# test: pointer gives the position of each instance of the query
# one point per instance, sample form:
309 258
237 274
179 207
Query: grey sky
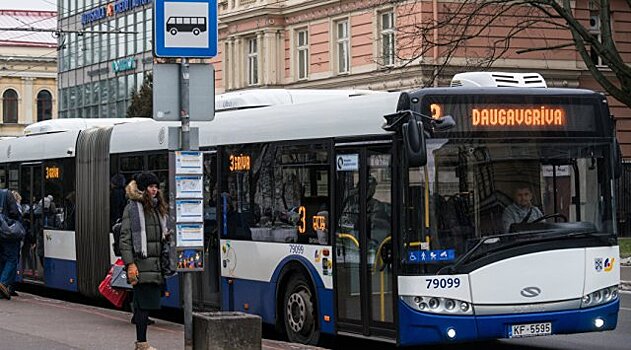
48 5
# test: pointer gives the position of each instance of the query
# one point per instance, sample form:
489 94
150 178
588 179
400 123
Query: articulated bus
389 216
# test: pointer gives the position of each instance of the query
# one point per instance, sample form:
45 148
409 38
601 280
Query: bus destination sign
485 115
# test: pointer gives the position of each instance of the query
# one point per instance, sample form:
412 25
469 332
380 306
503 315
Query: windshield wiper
607 238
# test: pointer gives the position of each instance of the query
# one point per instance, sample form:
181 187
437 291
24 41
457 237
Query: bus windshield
489 195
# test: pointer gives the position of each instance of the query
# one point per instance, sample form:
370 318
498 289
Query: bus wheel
299 312
173 31
195 31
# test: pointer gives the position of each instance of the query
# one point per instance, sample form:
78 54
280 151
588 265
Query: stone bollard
226 331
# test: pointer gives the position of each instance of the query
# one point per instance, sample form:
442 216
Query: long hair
147 203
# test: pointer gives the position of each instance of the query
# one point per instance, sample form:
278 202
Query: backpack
116 230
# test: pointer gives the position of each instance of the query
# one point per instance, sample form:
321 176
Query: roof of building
28 19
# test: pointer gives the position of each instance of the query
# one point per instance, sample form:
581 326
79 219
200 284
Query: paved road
625 273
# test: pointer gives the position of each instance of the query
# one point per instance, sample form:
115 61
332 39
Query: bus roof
253 98
356 116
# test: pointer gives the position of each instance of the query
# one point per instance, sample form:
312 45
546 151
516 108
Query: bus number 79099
443 283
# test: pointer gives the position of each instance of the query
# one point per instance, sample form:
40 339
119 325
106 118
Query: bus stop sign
185 28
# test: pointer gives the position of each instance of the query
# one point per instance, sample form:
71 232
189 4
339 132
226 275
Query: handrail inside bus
349 236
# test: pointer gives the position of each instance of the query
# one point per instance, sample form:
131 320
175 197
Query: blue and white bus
380 216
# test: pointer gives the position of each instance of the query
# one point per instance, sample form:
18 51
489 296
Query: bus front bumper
417 328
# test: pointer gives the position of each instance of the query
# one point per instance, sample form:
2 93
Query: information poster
190 235
188 181
189 163
189 211
189 187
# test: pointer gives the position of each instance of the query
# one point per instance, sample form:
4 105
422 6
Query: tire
299 312
173 31
196 31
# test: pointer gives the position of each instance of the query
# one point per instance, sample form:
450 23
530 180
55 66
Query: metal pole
186 146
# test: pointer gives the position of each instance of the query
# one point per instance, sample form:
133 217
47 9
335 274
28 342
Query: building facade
358 44
101 67
28 70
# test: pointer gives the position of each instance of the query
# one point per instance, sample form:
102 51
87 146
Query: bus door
206 283
364 227
31 189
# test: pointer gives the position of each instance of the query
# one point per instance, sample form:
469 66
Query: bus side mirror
414 143
617 161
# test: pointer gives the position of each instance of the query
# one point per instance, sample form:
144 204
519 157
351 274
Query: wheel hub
296 312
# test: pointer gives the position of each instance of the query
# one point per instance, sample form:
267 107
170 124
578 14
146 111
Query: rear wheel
299 312
196 31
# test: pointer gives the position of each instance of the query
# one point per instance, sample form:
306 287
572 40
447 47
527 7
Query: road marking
625 308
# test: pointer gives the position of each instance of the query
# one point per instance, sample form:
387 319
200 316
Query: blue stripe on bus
423 328
61 274
259 297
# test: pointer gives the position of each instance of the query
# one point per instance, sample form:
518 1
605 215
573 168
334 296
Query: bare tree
453 36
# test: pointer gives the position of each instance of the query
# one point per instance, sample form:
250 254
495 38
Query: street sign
166 100
185 28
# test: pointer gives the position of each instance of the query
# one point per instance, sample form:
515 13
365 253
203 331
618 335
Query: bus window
302 194
278 194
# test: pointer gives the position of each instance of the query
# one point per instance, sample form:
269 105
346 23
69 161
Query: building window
302 39
44 105
148 29
10 107
387 38
594 30
342 46
253 62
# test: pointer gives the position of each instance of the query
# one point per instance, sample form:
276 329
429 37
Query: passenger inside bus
521 211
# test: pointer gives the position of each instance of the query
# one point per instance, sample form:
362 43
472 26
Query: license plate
530 330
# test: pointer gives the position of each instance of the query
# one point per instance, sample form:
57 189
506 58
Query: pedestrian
143 232
9 248
18 202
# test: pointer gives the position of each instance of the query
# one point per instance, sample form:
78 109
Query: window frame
302 54
10 107
41 108
342 46
387 58
252 61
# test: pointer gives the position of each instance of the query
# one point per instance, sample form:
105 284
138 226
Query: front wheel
299 312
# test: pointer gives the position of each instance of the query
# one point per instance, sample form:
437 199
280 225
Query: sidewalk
31 323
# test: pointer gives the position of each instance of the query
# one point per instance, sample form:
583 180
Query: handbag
119 278
115 296
168 257
11 230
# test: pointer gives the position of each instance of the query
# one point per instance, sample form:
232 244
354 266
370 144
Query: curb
625 285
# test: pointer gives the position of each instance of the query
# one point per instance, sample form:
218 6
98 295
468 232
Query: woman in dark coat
143 232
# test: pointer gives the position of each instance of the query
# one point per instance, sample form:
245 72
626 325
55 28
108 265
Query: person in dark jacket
143 232
117 198
9 249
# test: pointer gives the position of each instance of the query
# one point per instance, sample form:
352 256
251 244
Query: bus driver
521 211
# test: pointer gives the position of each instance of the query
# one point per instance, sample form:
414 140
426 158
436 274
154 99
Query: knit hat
145 179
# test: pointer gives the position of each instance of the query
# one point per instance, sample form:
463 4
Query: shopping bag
115 296
119 278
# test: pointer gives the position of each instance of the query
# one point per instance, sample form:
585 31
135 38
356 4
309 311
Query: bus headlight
436 305
601 296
